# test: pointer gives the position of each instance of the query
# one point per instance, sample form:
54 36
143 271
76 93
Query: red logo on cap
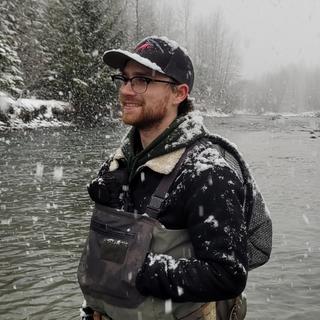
144 46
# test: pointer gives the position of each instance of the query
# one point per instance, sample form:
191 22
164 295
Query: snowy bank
210 112
305 114
271 115
33 113
215 114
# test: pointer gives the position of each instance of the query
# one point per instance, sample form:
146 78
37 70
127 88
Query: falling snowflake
168 306
39 170
57 173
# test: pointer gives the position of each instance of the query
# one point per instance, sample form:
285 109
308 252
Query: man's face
148 109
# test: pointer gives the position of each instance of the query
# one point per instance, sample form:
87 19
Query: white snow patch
34 124
5 102
34 219
207 159
139 59
31 113
169 262
215 114
228 257
305 218
6 221
39 170
57 173
204 188
190 128
180 291
173 44
95 53
211 219
306 114
116 242
168 306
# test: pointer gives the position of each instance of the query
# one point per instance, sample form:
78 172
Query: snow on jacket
206 198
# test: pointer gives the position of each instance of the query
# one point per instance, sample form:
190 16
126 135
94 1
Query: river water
45 212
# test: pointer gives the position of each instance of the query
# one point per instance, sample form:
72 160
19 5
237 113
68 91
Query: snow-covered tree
10 64
75 36
216 61
205 36
144 19
29 17
291 89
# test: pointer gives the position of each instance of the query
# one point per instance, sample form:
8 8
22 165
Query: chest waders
116 248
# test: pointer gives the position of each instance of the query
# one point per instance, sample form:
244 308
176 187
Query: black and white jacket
207 198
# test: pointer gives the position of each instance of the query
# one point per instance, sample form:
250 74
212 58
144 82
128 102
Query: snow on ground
219 114
216 114
32 113
306 114
207 112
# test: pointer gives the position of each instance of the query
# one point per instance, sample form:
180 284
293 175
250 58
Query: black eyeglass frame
147 80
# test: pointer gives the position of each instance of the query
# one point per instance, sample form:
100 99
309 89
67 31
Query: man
198 249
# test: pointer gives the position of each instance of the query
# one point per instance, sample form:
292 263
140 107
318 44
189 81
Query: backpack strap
258 220
157 198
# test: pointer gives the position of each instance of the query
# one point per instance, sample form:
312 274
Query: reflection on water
44 214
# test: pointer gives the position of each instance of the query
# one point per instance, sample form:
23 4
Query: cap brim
118 59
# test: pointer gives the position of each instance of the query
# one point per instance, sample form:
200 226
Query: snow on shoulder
203 158
207 159
190 128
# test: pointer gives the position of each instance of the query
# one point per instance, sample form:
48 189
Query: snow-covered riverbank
33 113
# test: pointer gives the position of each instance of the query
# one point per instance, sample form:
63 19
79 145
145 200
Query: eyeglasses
138 84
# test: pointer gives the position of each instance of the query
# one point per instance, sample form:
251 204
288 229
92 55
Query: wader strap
157 198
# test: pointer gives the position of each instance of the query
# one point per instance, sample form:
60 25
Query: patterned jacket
207 198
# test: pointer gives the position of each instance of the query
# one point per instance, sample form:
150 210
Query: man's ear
181 93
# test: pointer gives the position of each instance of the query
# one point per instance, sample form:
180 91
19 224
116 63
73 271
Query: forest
53 50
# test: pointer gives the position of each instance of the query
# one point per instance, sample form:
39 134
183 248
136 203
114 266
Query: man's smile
130 105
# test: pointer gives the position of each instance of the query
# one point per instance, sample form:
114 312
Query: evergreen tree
29 16
99 30
11 79
59 39
75 36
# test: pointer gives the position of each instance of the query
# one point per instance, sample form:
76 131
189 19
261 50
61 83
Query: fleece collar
181 133
163 164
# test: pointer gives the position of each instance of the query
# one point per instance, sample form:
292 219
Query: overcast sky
273 33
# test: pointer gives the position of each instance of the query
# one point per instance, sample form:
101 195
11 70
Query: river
45 212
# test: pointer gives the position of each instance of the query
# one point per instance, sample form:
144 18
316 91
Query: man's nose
126 89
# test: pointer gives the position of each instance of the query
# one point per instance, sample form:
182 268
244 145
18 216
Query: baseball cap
159 54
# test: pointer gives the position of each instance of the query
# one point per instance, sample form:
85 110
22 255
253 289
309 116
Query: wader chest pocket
114 243
115 250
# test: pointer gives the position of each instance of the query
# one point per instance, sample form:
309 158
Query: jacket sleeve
217 229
